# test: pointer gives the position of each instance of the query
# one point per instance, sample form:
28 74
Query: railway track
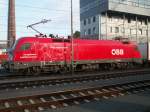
37 103
21 84
4 75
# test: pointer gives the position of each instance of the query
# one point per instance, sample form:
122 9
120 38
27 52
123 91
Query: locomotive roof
83 41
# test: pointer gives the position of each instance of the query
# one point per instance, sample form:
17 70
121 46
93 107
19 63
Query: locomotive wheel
35 71
112 66
131 66
63 70
23 72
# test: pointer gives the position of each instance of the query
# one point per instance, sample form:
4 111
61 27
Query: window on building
116 29
135 3
146 32
122 30
130 31
89 31
129 20
134 31
111 29
141 22
85 22
89 21
94 19
85 32
142 3
94 30
140 31
145 21
110 19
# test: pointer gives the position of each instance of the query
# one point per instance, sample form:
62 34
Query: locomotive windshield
25 46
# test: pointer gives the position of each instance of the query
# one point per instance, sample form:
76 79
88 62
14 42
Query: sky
32 11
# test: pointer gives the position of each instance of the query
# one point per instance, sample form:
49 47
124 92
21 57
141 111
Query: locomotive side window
25 46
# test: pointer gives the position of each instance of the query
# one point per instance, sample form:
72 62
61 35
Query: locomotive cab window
25 46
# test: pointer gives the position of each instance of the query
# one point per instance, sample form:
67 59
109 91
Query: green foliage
76 34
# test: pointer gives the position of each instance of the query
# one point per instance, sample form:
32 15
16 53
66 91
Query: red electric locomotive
34 54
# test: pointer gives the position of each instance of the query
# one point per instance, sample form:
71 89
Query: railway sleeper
84 95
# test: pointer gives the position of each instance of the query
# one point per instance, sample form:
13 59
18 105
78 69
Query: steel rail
54 81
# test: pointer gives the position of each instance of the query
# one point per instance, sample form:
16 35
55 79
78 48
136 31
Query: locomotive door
76 52
27 52
66 52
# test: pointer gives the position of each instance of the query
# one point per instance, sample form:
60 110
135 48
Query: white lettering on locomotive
28 56
117 52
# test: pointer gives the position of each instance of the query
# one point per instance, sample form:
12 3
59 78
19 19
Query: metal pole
106 16
137 30
99 25
72 48
124 25
147 40
147 31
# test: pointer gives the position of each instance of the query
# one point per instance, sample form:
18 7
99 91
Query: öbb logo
117 52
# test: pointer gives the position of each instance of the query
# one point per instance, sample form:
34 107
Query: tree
76 34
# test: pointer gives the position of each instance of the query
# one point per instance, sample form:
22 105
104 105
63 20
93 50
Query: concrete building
107 19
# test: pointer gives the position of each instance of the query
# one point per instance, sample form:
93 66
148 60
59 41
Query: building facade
107 19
